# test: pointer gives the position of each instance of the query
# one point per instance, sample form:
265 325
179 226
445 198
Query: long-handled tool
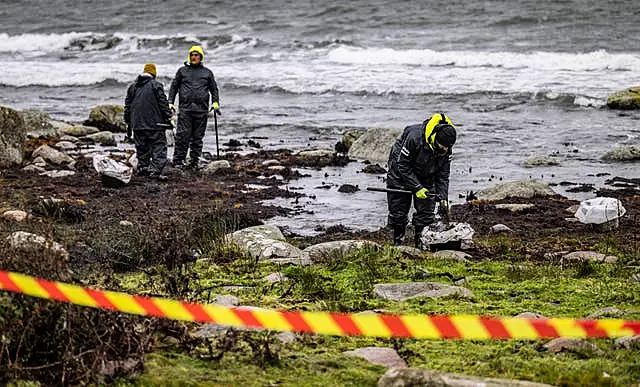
215 125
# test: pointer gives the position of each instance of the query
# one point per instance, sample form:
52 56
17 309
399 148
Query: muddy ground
90 206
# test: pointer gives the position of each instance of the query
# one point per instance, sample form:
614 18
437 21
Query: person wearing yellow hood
419 162
196 86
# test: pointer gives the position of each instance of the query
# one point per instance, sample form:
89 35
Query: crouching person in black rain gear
147 114
420 162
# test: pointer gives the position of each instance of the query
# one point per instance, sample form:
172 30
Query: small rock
271 162
226 300
401 377
628 342
456 255
386 357
513 207
126 223
286 337
275 278
606 312
65 145
540 160
348 188
636 278
403 291
567 344
374 169
57 173
14 215
590 256
34 169
500 228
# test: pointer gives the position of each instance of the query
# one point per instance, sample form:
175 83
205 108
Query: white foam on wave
591 61
38 43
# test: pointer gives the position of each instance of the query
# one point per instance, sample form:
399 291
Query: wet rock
606 313
400 377
103 138
51 155
233 143
79 131
60 126
27 241
349 137
516 189
590 256
567 344
13 137
214 166
455 255
107 118
625 99
404 291
335 250
500 229
254 144
65 146
540 160
628 342
623 153
14 215
318 157
383 356
412 252
39 161
271 162
348 188
374 144
515 207
57 173
34 168
374 169
38 124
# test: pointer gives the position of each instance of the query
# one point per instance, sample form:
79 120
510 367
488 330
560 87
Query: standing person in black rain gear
147 114
194 83
420 162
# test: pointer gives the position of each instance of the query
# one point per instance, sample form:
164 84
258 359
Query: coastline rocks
315 157
521 189
52 156
623 153
627 99
107 118
574 345
13 137
38 124
590 256
540 160
79 130
374 144
348 138
403 291
14 215
102 138
396 377
214 166
328 251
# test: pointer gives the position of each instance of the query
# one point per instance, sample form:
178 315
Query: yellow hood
429 135
197 49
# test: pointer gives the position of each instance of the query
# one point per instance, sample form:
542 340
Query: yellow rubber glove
422 193
215 106
173 108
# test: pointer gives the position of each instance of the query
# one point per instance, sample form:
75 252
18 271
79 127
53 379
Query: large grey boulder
107 117
38 124
623 153
333 250
13 137
406 377
516 189
51 155
625 99
375 144
266 243
404 291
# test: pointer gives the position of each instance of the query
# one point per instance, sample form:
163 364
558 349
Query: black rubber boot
417 238
398 236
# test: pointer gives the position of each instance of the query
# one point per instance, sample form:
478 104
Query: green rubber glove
422 193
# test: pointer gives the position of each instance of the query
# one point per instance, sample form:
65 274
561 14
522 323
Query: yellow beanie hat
150 68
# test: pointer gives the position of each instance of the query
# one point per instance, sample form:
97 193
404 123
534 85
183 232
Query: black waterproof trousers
189 135
151 150
399 205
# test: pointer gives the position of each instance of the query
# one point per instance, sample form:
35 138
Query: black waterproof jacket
146 104
194 83
413 165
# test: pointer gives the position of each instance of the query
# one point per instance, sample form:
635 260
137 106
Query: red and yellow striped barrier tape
330 323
